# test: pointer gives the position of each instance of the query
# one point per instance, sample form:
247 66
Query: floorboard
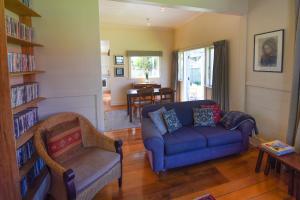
232 177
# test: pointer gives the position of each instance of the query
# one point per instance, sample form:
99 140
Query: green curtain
220 85
293 134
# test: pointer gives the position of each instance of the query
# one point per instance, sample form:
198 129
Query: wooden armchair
145 97
85 172
166 95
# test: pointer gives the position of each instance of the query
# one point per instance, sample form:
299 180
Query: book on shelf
34 172
24 120
18 62
278 147
27 3
25 153
18 30
24 93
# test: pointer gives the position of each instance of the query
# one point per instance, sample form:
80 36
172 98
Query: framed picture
119 72
268 51
119 60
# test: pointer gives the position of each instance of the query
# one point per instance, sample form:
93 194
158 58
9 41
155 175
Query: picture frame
119 60
269 51
119 72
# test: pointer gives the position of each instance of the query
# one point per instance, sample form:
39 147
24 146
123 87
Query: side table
291 161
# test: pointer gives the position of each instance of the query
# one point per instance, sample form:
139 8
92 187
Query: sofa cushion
171 120
89 164
158 120
63 140
203 117
218 135
182 140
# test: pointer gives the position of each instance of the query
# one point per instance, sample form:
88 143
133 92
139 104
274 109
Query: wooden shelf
25 137
18 41
27 105
19 8
36 184
27 167
16 74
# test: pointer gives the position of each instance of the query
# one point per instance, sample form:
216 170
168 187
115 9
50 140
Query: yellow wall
71 57
123 38
268 94
207 28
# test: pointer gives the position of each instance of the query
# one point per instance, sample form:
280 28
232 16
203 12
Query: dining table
133 93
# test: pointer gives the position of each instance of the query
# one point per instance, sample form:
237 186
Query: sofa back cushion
63 140
184 110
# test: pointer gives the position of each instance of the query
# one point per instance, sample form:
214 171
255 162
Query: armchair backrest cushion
63 140
184 110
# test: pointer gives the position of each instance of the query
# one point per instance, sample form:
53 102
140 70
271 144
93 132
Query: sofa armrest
246 129
153 142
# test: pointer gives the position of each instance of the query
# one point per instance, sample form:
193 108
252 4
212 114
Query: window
140 65
209 66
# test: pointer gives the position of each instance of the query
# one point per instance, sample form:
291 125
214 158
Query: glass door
197 73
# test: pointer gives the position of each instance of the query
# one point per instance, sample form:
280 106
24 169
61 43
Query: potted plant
145 64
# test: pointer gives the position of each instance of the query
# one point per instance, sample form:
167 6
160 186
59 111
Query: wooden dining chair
166 95
145 97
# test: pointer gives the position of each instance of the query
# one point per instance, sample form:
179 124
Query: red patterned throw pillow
63 140
216 111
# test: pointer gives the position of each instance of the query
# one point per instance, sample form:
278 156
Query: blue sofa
189 144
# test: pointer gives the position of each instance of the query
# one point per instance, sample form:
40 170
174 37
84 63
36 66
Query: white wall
123 38
268 94
209 27
71 57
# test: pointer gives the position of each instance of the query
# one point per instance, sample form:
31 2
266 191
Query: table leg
130 109
273 163
291 182
278 166
259 160
297 184
127 104
268 165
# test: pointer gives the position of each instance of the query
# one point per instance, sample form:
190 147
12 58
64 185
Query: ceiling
126 13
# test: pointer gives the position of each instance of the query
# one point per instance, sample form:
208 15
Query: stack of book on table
278 148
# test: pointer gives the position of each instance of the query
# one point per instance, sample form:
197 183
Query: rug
118 119
206 197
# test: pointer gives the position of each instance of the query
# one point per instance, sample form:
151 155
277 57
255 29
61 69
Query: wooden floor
107 103
228 178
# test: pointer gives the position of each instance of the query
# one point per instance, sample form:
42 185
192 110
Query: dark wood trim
118 146
9 172
69 177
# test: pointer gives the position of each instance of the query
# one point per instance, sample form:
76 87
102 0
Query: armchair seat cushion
182 140
217 136
89 164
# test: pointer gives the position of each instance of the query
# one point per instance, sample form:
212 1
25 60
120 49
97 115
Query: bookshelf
10 185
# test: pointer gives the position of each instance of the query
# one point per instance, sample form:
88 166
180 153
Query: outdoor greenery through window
143 66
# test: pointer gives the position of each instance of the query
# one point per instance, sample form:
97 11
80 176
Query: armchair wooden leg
118 146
